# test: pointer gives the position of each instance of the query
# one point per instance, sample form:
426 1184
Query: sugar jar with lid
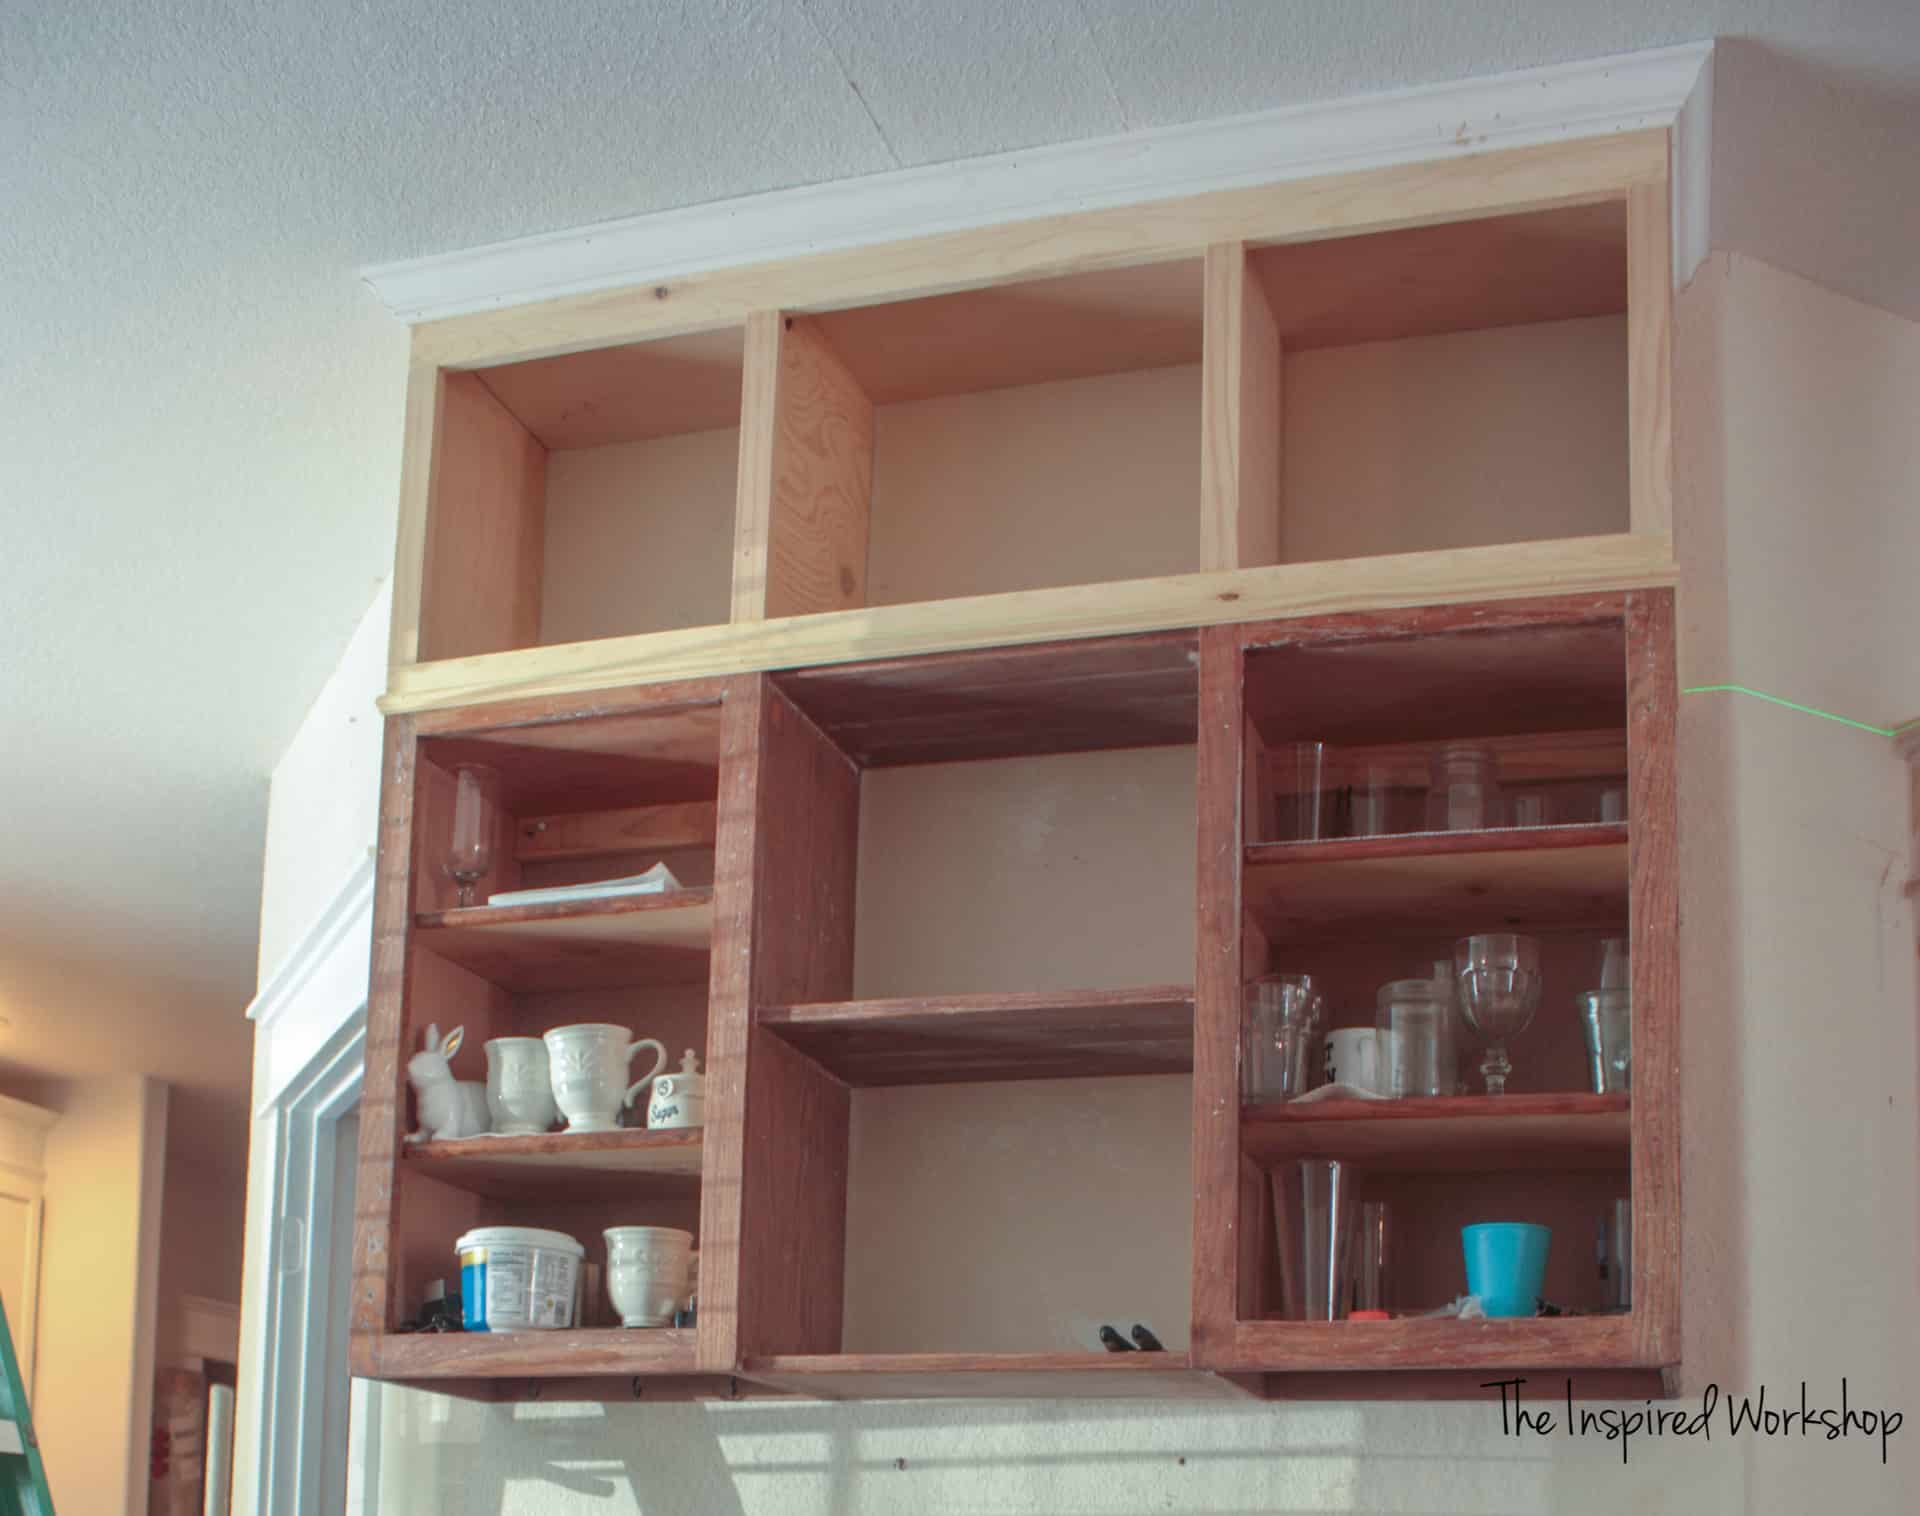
679 1099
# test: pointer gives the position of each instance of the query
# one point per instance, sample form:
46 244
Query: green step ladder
23 1478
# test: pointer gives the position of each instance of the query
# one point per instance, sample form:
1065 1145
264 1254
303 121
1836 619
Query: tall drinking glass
1281 1031
1316 1211
1372 1251
1297 772
1606 1016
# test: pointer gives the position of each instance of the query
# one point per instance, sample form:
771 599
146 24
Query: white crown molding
1626 92
1693 178
346 922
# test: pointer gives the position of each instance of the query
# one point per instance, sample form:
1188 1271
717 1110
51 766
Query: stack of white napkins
656 881
1325 1092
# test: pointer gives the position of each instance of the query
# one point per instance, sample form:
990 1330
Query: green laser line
1795 705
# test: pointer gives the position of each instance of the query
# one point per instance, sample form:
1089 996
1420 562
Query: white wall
323 807
1801 1043
315 944
99 1274
203 1213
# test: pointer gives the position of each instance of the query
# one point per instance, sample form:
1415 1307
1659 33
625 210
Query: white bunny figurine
448 1107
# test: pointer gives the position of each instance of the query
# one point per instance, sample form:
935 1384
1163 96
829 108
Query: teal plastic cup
1506 1265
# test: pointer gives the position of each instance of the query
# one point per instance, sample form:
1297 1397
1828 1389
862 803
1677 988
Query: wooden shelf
881 1376
1567 1343
1104 321
534 1355
571 1163
960 1038
1072 697
1502 672
1553 265
1514 878
577 944
1455 1132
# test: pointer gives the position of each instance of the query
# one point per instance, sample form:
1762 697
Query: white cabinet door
20 1266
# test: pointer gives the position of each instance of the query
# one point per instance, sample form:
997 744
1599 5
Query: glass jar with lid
1415 1021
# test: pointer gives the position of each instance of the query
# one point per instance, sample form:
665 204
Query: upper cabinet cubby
1025 436
1448 386
582 496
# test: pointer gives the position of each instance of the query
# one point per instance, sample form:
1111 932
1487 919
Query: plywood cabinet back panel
1006 1218
1513 435
1070 483
639 536
1067 872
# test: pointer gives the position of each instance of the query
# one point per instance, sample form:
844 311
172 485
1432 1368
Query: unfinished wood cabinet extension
1395 387
946 617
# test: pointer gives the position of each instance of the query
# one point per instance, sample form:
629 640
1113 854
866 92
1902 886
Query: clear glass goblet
475 801
1497 975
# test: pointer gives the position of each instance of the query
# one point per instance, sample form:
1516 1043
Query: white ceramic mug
520 1086
590 1065
647 1268
1353 1058
679 1100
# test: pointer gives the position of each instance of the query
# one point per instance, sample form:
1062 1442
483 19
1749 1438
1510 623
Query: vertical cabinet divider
1653 883
1240 408
806 475
1649 360
791 1186
1220 1258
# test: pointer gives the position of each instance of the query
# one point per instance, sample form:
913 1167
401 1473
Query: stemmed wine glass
1498 976
469 856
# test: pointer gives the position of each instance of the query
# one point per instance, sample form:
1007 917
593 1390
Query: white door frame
294 1361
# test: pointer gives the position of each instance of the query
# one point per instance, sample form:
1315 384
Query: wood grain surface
965 1038
1016 702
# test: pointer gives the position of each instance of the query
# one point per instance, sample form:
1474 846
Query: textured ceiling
199 402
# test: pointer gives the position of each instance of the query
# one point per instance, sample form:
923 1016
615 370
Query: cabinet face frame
800 517
1643 1345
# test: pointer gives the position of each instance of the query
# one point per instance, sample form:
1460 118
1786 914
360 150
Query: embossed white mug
590 1064
647 1269
520 1086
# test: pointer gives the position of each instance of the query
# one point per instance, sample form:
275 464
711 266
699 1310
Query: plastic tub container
517 1279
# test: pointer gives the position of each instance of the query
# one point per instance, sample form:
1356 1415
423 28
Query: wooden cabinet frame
774 1170
782 1035
1627 1354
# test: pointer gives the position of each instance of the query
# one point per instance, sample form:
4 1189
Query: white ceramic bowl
647 1269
